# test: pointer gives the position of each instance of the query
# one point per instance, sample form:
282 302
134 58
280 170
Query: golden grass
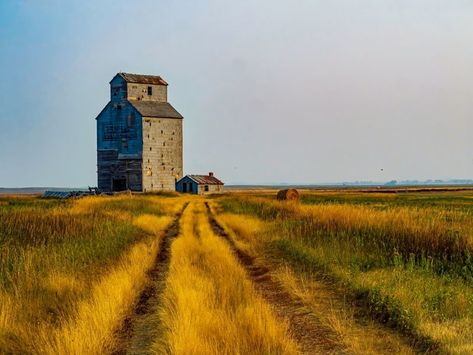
91 329
411 265
455 335
319 298
443 308
59 294
209 305
71 271
152 224
246 227
439 233
365 337
90 324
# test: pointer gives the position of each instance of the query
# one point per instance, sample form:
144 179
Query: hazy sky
271 90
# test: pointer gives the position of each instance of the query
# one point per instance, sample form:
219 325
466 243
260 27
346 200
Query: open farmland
241 273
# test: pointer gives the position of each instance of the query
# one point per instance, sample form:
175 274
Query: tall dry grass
209 305
70 271
329 306
410 267
91 325
250 230
359 335
439 238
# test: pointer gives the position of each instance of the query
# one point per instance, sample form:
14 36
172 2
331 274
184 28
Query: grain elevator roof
143 79
155 109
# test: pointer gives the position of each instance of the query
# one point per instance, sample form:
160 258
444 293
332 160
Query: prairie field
340 271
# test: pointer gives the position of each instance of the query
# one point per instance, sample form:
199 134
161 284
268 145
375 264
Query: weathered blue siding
188 185
119 146
119 126
118 89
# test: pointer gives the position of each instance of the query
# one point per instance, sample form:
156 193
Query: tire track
141 328
312 336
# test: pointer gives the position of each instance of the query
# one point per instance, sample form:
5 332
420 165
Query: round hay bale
288 195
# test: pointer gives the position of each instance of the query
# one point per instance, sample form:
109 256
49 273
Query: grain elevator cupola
139 136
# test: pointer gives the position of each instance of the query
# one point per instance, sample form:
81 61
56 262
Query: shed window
150 90
206 188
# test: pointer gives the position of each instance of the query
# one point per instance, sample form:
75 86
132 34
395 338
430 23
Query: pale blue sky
272 91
